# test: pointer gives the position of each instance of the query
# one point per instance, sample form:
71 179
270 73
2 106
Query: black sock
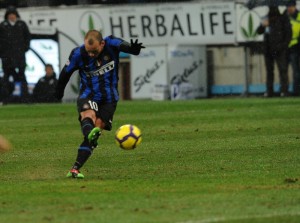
84 152
87 125
82 157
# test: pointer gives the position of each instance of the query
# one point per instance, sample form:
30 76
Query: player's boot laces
75 174
93 137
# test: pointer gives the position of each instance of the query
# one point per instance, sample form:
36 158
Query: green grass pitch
200 161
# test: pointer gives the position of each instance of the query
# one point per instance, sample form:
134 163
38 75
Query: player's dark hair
92 35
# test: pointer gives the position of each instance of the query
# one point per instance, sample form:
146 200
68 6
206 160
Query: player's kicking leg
93 137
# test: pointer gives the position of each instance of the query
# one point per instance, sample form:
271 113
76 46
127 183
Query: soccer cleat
93 137
75 174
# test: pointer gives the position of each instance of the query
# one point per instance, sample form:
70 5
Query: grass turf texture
200 161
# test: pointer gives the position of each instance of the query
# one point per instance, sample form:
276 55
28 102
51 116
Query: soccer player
97 61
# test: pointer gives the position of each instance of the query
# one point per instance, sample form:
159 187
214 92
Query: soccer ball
128 136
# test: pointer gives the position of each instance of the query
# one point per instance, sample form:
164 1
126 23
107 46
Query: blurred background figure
277 35
294 45
15 40
6 89
44 90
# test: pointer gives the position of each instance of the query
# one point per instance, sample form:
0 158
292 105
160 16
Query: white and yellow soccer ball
128 136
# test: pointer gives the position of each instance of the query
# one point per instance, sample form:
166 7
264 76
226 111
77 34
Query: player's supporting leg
91 135
84 152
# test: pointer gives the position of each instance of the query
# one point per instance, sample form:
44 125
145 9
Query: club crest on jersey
106 57
102 70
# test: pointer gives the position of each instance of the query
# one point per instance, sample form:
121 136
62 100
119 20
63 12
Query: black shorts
103 111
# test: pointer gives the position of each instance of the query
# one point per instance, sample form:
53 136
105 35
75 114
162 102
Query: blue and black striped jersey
98 76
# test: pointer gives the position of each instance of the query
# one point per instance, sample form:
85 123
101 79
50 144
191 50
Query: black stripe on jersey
90 84
111 88
112 74
82 89
102 88
85 60
84 57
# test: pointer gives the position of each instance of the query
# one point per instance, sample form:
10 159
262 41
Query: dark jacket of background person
277 35
44 90
14 42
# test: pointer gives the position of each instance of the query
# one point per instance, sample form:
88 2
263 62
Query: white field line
221 219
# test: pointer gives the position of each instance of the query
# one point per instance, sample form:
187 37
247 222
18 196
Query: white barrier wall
148 70
187 72
168 23
178 72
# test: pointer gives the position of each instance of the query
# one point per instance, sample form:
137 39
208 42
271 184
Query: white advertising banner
187 72
176 23
148 70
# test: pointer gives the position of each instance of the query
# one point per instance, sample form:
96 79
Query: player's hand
136 47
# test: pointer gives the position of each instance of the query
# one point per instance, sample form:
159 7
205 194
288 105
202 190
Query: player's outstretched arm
132 47
63 79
